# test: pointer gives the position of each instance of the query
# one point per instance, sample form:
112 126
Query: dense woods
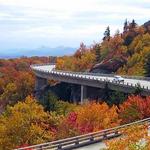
16 79
26 121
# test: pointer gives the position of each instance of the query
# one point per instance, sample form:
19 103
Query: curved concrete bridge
47 71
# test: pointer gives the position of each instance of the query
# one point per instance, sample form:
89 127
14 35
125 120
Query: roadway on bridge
134 82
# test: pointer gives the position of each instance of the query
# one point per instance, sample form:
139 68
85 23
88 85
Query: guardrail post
76 142
59 147
41 147
91 138
105 135
116 132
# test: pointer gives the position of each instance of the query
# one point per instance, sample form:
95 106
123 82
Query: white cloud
67 19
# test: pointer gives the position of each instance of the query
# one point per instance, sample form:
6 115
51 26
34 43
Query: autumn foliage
82 60
25 123
28 123
16 79
134 137
134 108
89 118
96 116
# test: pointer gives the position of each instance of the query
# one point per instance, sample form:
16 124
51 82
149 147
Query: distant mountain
57 51
42 51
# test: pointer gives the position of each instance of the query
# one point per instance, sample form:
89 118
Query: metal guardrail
36 65
82 140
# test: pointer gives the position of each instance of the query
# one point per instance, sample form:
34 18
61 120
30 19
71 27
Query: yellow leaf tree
25 123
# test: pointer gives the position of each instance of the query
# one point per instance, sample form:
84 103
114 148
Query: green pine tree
107 34
97 49
133 24
125 25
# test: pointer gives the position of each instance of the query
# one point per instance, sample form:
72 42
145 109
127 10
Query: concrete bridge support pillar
83 93
40 83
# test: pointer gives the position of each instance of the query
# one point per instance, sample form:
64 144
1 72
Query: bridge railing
82 140
38 65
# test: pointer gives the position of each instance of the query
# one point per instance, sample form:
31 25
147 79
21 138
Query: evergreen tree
117 98
107 34
106 93
125 25
133 24
97 48
49 101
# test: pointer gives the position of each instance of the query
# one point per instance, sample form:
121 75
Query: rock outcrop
108 66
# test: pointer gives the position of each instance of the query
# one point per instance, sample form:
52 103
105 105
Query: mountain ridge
41 51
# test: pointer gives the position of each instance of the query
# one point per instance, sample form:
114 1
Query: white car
118 79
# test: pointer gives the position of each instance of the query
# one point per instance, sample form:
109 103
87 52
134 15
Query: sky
34 23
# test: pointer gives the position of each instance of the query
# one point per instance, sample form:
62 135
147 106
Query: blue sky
35 23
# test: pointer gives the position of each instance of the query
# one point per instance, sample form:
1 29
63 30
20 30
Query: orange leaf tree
134 108
90 117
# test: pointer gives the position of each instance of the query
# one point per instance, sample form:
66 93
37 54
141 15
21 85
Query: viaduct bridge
46 72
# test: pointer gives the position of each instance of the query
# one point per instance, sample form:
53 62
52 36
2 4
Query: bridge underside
77 93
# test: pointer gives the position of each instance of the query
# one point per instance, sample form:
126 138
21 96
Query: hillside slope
124 53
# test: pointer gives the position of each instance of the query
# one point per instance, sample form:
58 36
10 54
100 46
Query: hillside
124 53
